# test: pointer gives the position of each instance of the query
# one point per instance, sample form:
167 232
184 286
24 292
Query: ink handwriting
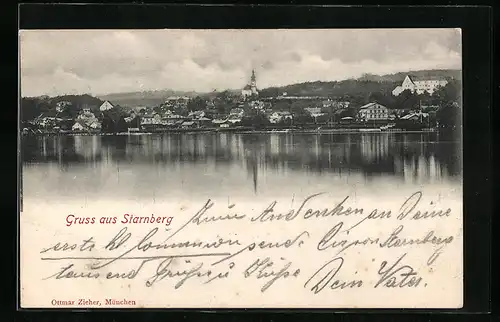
334 255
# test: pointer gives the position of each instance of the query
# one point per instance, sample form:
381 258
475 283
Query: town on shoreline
426 103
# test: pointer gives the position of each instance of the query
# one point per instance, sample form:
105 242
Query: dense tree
381 98
270 92
210 114
113 121
224 102
251 112
448 116
322 118
285 122
134 123
258 120
223 107
348 112
284 105
449 93
33 107
303 119
107 124
406 100
331 89
29 109
196 104
121 125
299 107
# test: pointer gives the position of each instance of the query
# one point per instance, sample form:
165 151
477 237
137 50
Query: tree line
220 104
112 121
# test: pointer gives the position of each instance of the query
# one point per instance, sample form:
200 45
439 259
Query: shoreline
240 131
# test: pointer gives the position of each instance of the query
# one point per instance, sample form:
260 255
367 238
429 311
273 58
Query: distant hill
77 101
399 77
147 98
150 98
363 85
32 107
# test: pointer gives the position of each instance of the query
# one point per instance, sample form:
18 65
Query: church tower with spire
253 82
251 88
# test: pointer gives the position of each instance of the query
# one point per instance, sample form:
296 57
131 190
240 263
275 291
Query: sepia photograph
229 167
139 114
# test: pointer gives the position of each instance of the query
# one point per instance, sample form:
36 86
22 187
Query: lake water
146 168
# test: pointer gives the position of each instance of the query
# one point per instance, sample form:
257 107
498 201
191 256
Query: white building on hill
420 84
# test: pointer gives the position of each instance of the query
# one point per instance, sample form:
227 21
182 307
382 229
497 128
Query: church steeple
251 88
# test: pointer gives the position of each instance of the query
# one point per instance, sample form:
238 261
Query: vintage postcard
286 168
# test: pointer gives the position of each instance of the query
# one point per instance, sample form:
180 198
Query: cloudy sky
112 61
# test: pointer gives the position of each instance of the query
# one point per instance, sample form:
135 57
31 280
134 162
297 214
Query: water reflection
424 157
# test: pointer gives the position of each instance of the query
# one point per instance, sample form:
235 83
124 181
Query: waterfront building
277 117
95 125
188 125
220 122
77 127
237 111
151 119
415 116
203 121
130 118
233 119
86 118
373 112
314 111
196 114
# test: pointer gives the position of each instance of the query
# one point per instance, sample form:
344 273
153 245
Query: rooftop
371 104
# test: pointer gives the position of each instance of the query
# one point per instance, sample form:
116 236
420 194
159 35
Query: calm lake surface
167 166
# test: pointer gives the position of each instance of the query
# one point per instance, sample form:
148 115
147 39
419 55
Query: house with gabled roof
373 111
106 106
237 111
78 126
196 114
188 124
314 111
